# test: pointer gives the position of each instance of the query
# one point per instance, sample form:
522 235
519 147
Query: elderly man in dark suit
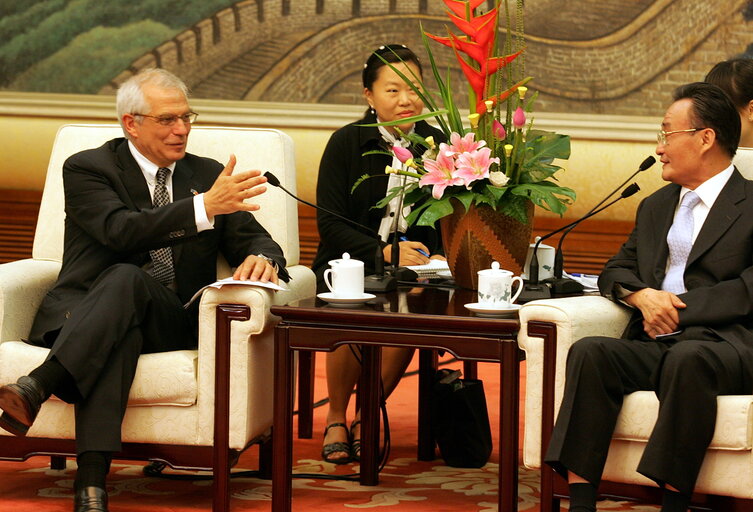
687 272
145 222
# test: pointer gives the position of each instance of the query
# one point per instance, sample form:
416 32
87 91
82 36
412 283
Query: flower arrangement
501 160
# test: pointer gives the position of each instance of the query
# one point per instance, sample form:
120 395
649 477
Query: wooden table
424 318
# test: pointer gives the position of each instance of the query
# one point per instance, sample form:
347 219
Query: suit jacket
110 219
718 274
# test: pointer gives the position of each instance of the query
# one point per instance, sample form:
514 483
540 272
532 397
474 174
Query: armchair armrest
23 285
574 318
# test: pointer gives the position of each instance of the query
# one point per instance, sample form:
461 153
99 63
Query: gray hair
131 99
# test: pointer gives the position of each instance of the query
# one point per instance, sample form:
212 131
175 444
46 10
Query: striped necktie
680 241
163 270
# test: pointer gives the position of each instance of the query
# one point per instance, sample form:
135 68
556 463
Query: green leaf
377 152
411 119
435 211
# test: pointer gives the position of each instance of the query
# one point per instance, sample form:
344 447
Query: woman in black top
342 164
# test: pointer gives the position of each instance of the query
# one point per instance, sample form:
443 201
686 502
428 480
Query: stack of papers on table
433 269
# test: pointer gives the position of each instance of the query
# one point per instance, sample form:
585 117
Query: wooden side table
423 318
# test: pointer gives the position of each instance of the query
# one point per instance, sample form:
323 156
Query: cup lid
346 261
495 270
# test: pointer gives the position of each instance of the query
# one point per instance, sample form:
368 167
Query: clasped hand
659 310
229 191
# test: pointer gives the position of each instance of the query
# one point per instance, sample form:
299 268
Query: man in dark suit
145 222
687 272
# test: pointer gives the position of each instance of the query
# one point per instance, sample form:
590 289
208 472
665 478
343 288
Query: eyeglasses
171 120
661 137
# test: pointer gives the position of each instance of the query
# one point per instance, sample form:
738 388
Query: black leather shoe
90 499
20 402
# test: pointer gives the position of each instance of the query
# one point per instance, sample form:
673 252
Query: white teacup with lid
344 278
495 286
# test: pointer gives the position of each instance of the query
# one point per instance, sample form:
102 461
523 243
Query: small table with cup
411 317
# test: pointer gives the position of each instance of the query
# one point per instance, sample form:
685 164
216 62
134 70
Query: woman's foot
355 440
336 449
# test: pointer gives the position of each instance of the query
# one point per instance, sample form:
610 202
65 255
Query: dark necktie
163 270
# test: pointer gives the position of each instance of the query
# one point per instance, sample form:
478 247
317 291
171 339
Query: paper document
229 280
589 281
431 269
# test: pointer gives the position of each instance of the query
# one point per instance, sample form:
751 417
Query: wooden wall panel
586 249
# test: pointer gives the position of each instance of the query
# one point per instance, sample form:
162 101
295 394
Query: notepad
229 280
431 269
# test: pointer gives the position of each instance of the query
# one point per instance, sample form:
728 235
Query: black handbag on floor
460 420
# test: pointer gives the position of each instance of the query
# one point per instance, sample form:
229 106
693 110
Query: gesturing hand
659 310
229 191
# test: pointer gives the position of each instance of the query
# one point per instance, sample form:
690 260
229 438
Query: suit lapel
133 178
663 218
722 215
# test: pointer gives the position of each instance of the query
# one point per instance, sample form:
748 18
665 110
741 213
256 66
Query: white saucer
491 310
345 301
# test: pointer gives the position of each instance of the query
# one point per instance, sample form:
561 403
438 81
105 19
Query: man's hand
409 254
255 268
659 310
229 191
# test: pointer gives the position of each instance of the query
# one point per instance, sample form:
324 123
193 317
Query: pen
404 239
576 274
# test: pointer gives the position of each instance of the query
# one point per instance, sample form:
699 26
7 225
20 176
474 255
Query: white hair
131 99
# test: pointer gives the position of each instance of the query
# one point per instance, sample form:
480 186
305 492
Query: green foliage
9 7
92 58
20 21
57 23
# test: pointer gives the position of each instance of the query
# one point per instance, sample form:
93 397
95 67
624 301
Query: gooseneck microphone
381 281
559 284
558 255
535 290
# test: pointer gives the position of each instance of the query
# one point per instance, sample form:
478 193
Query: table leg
427 367
282 433
370 390
306 371
509 379
470 370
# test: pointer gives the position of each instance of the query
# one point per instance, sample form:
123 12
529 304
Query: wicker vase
473 239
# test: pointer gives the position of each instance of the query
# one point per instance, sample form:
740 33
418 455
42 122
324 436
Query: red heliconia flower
477 43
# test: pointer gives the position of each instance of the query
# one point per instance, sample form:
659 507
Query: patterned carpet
405 483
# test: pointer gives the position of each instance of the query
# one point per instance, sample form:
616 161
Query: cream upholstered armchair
175 395
726 479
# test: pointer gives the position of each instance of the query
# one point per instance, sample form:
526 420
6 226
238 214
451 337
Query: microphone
535 290
559 256
381 281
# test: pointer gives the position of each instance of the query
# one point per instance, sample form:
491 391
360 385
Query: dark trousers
125 313
687 377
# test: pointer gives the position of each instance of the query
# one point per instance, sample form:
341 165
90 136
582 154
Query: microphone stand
533 289
564 286
379 282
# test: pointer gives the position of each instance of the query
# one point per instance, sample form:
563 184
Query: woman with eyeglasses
735 77
344 161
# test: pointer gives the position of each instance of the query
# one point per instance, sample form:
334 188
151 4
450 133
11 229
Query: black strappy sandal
355 444
337 447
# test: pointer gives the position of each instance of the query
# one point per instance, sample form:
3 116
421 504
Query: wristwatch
270 261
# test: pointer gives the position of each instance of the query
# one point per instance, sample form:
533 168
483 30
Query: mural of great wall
619 57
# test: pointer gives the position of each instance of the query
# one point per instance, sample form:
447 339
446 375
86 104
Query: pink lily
519 118
402 154
498 129
464 144
475 165
440 173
